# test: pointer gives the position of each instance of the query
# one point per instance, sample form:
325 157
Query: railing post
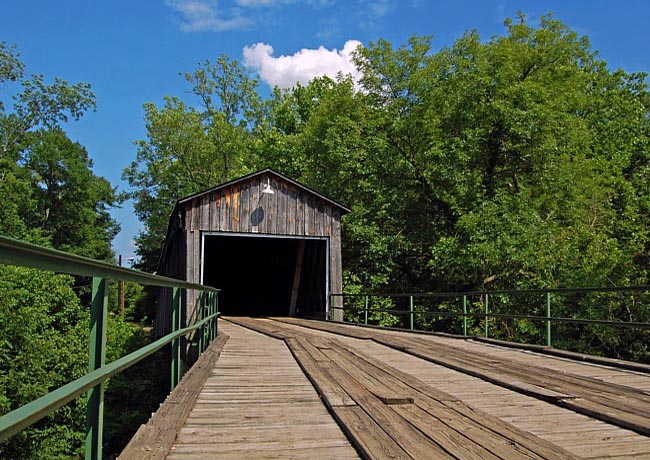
365 319
465 315
96 359
487 312
208 327
201 332
213 300
176 343
548 319
215 321
411 311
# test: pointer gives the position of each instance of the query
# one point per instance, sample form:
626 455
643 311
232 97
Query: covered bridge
271 244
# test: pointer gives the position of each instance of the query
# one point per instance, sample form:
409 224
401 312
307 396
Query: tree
38 104
50 194
515 162
518 135
44 342
69 203
188 150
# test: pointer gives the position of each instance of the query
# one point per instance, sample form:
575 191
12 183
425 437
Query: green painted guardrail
364 306
13 252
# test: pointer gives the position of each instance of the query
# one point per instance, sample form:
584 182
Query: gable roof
344 209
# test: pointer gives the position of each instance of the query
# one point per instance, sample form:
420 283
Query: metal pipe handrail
501 291
484 301
30 413
630 324
14 252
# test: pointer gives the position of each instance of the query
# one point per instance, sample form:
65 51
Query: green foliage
44 345
48 192
188 150
517 162
520 161
70 204
133 300
37 104
44 342
50 196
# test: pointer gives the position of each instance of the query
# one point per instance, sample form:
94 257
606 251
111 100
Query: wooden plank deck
623 405
288 388
579 434
257 404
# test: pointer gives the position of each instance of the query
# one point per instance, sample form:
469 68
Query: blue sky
132 51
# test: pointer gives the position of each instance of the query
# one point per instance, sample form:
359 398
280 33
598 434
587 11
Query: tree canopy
48 192
48 195
190 149
513 162
520 161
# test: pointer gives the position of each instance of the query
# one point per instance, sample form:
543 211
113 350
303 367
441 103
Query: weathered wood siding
174 267
241 207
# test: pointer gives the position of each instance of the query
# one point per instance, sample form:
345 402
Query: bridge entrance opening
262 275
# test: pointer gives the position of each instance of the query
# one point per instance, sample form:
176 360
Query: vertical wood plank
196 260
296 278
264 205
189 253
272 200
188 216
309 216
328 220
244 215
275 208
287 201
228 191
234 216
279 205
222 210
336 268
313 217
291 210
214 211
205 213
300 213
254 203
282 209
320 212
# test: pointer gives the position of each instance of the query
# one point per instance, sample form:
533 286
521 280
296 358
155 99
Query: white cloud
302 66
200 15
257 3
378 8
219 15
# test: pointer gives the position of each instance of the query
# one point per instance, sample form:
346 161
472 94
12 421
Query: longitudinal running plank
258 404
579 434
396 412
623 405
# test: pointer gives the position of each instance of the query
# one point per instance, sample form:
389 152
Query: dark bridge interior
257 274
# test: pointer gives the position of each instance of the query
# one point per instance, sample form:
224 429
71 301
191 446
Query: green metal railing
13 252
362 307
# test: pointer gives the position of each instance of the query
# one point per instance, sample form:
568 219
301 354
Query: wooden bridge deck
257 404
400 395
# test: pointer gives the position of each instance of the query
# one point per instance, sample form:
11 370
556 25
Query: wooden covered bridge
271 244
284 378
279 384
